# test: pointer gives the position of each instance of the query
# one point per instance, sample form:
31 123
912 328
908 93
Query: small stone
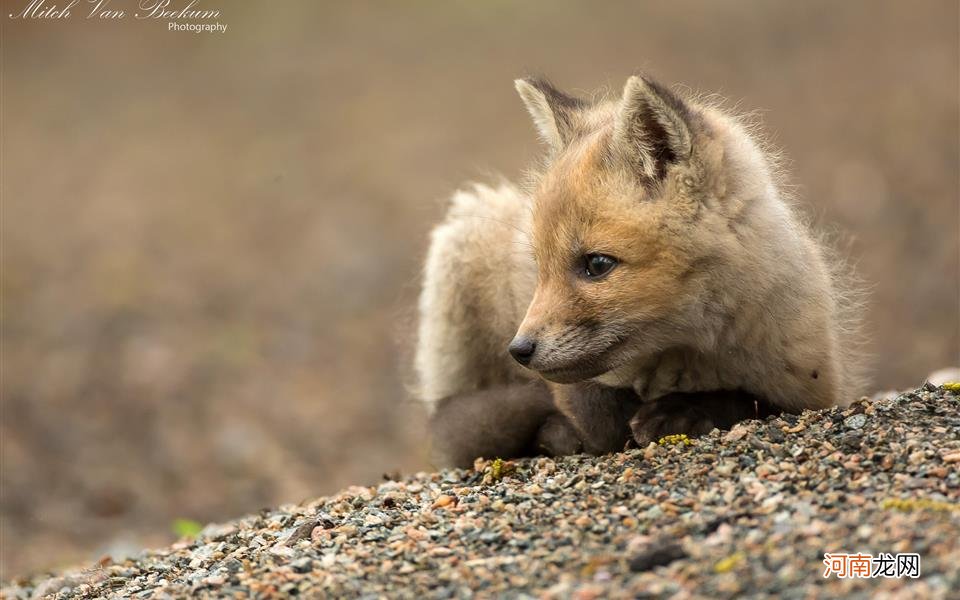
775 434
656 555
443 501
725 468
301 532
302 565
282 550
736 433
855 421
415 534
319 534
851 441
347 530
650 451
232 565
952 457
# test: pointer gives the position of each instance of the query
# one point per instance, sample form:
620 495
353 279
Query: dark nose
522 349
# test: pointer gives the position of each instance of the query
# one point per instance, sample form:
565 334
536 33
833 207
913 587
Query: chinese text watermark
868 566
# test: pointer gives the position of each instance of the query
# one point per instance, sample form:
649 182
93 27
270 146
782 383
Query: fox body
650 277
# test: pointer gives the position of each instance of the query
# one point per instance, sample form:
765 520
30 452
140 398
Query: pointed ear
652 129
552 111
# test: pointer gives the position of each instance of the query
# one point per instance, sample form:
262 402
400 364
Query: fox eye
598 265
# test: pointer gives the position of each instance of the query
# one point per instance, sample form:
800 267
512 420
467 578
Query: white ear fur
539 108
643 110
628 134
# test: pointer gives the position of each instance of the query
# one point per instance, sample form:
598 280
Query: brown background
211 242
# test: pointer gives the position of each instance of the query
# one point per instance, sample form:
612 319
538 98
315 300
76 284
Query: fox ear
652 129
552 111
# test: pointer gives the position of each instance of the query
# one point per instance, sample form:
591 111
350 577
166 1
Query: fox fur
719 287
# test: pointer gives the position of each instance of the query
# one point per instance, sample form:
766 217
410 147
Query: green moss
729 563
912 504
677 439
500 468
186 528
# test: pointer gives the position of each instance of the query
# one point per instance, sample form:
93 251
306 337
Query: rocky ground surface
750 511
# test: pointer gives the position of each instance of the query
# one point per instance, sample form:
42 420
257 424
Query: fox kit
649 279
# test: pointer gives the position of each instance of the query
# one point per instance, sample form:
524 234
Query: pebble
855 421
657 555
951 457
443 501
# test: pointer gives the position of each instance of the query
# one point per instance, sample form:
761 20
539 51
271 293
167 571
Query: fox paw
662 417
557 437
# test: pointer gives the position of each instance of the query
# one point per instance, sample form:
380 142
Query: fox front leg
695 413
600 414
507 421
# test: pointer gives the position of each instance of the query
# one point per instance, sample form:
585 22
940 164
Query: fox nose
522 349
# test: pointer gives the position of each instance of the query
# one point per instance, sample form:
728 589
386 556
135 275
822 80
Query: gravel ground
750 511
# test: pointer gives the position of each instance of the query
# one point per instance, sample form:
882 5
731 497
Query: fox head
631 213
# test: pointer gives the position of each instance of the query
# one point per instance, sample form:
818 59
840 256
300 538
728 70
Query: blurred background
211 242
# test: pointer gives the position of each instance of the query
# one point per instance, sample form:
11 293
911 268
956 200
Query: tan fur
478 281
719 286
